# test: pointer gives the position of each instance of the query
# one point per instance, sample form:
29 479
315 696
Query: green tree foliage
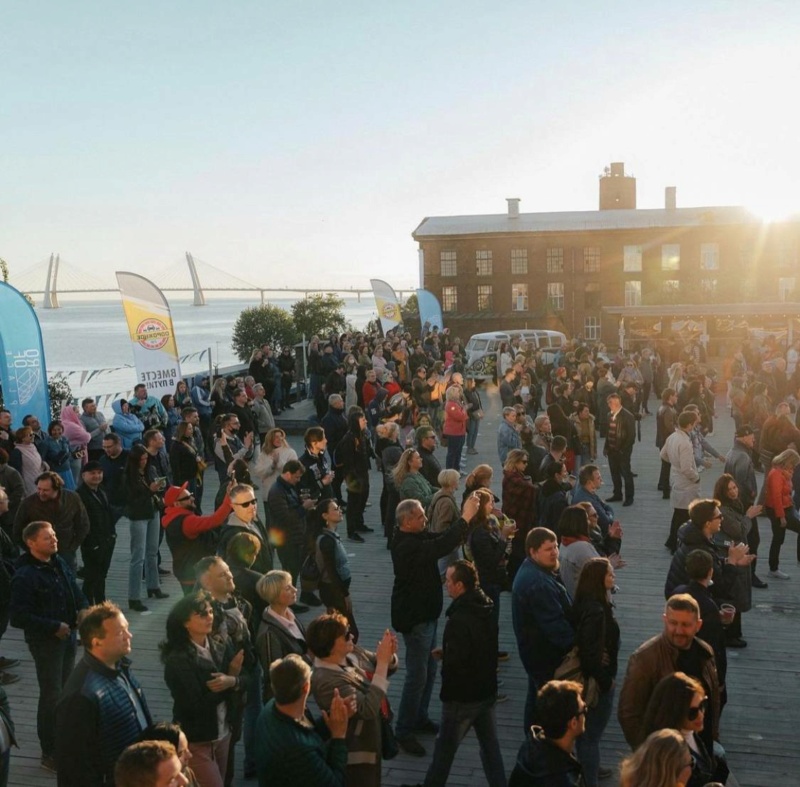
319 315
259 325
60 394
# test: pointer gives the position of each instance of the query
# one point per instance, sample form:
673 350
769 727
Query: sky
299 142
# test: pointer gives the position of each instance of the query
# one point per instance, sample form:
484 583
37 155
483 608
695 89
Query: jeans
54 659
472 432
210 761
454 447
529 715
144 550
588 744
420 677
779 535
457 718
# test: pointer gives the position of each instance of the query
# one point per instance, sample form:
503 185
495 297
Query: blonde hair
402 469
658 762
448 478
480 476
515 455
270 586
268 448
787 458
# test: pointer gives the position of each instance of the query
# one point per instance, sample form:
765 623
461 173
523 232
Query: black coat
689 539
469 649
626 432
430 466
712 632
102 529
417 590
596 633
489 554
540 763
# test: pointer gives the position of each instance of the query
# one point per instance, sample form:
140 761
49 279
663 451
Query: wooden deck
758 724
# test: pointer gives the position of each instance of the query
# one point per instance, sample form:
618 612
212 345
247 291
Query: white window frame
555 295
671 257
591 328
450 298
519 262
709 256
448 263
555 259
483 262
632 259
633 293
591 259
485 294
519 297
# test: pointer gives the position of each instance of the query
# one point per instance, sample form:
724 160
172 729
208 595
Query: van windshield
478 345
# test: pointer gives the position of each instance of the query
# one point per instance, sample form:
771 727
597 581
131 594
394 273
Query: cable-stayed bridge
56 276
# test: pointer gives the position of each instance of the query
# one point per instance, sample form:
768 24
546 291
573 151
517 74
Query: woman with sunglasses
202 674
331 559
679 702
663 760
356 673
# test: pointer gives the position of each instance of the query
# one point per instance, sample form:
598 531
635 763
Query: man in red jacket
190 536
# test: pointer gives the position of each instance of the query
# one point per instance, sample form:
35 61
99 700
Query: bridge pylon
199 295
51 288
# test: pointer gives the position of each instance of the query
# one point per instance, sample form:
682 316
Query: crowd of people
240 660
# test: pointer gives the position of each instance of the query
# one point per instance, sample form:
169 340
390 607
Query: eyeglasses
246 504
348 634
204 613
693 713
184 498
716 516
582 712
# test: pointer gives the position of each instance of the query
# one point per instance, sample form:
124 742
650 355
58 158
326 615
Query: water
88 341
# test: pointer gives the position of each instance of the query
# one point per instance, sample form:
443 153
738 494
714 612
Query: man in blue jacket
45 602
540 610
102 709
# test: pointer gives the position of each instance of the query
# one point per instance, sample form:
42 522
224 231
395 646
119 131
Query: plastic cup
727 613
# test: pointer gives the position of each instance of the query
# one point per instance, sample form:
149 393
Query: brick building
720 267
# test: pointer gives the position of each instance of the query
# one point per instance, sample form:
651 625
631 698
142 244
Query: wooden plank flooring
758 725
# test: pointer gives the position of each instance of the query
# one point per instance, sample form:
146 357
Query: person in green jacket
408 480
291 750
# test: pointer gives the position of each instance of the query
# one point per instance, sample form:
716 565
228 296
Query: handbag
309 574
570 669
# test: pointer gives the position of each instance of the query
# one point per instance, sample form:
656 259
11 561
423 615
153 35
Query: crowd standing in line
239 662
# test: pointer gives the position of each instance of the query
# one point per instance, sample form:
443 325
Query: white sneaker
778 574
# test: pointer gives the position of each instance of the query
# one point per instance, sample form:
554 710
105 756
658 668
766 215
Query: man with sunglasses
548 755
676 649
244 519
190 537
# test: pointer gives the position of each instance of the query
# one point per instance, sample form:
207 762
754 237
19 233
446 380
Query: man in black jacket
618 448
416 606
469 677
334 423
45 601
98 546
102 709
431 467
548 756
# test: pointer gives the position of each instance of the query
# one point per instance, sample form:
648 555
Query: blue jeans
588 744
420 677
472 431
144 551
54 659
457 718
454 447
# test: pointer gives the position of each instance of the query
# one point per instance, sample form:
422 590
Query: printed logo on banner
390 311
152 334
26 368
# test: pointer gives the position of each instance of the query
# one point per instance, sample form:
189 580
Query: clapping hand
615 530
336 718
754 511
739 555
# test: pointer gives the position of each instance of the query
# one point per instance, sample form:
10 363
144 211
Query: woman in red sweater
455 426
779 507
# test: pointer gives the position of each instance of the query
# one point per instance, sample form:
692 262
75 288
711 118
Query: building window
447 260
555 295
786 285
632 259
670 257
591 328
519 261
591 259
484 297
555 260
633 293
450 299
519 297
709 256
670 286
708 286
591 295
787 255
484 261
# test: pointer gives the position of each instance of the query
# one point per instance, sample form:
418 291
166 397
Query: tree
319 315
259 325
60 394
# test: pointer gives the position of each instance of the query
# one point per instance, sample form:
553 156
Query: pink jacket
74 430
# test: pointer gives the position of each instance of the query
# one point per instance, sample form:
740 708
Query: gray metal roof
576 221
707 309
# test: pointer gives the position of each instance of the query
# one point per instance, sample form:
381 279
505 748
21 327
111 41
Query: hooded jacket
126 425
469 649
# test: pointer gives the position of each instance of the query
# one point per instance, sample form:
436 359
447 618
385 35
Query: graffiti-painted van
483 349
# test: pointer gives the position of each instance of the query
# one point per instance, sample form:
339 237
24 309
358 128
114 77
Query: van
483 349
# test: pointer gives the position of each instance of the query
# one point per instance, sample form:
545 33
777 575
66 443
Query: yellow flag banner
388 305
155 351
